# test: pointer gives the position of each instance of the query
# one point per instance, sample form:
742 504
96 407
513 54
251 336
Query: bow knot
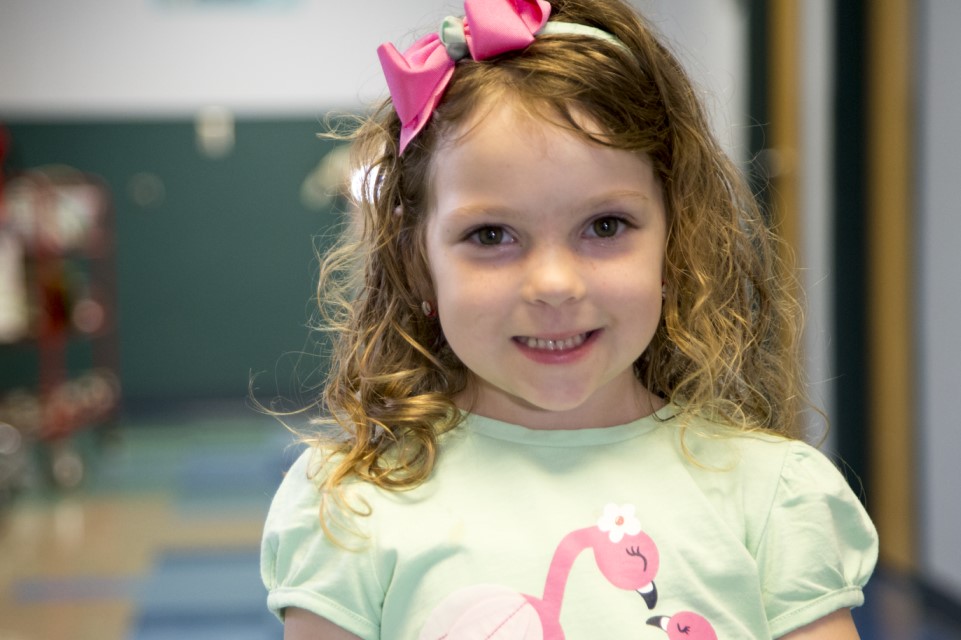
418 77
454 37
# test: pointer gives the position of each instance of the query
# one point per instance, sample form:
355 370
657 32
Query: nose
554 276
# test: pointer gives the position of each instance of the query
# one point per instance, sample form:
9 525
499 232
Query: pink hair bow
418 78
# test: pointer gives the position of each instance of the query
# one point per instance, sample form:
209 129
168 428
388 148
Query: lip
556 349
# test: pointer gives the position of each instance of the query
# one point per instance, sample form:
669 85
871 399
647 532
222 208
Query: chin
568 411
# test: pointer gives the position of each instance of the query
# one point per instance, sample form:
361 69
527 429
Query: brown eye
490 235
606 227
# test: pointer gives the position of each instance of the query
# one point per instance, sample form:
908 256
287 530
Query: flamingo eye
635 552
685 630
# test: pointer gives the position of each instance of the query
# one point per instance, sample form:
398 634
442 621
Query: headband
418 77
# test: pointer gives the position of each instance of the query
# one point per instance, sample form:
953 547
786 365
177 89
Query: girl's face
546 253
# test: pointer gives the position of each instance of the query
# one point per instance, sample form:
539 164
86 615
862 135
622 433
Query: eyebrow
617 196
470 211
610 198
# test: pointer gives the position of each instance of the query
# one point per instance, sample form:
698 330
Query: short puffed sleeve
302 568
818 548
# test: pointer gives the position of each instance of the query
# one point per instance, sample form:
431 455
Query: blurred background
163 196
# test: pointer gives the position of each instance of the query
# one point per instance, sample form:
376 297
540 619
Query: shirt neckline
499 430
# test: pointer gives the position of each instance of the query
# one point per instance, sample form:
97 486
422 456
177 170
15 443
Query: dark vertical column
850 238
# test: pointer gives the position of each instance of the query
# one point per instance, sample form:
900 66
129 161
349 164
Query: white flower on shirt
619 521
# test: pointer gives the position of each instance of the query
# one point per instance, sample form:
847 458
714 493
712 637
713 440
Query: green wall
216 281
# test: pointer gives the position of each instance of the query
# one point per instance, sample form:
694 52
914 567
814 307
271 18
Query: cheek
443 280
638 284
434 271
462 290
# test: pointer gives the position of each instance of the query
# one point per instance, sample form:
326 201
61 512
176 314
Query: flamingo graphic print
626 556
685 625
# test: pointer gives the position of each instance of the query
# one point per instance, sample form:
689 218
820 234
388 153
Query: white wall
136 58
711 38
938 247
156 57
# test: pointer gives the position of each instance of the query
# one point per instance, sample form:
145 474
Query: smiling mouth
544 344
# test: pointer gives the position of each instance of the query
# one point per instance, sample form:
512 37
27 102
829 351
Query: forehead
503 127
507 158
530 114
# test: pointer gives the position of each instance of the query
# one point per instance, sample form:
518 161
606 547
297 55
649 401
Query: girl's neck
636 404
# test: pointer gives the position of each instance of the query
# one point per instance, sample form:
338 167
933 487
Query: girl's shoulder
308 466
758 453
761 459
296 506
778 484
299 491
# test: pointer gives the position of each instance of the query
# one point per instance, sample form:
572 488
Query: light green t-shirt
593 533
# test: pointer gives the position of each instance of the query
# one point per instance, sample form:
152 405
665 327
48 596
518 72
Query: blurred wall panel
215 255
938 297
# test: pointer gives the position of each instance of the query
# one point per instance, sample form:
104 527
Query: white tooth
555 345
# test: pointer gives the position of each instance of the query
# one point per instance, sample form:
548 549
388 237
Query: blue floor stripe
79 589
201 629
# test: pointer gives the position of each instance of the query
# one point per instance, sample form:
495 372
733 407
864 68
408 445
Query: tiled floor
162 541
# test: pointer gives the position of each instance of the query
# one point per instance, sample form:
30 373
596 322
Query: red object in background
62 218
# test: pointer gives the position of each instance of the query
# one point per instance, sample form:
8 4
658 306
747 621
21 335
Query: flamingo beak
649 593
659 621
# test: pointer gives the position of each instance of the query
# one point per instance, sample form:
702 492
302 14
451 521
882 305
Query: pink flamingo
627 557
684 626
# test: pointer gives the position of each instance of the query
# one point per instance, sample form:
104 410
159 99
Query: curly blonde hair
727 344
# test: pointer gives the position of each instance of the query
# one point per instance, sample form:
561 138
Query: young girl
565 381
